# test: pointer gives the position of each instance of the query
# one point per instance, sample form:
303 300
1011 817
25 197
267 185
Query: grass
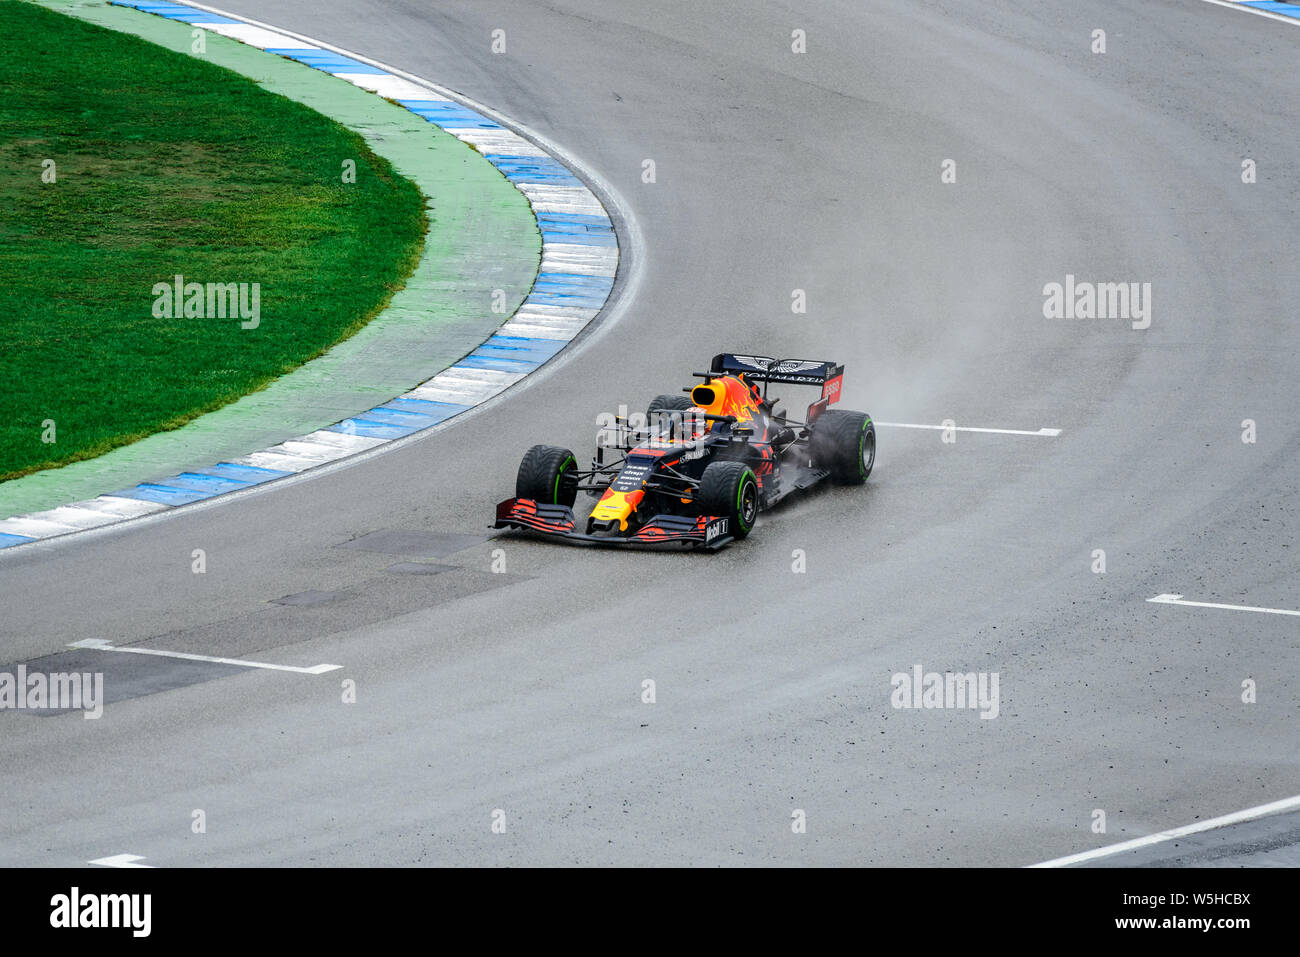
167 164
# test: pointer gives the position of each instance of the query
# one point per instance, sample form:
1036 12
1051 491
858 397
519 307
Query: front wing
557 521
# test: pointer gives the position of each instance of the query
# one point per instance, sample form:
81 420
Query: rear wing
828 375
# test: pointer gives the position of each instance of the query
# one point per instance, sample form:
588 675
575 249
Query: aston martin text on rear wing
828 375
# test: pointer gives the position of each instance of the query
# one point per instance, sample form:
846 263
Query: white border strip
1174 599
1234 5
1049 433
120 860
102 644
1237 817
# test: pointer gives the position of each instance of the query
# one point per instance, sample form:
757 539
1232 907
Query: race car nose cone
617 507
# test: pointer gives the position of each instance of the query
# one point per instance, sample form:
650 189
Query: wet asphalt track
775 171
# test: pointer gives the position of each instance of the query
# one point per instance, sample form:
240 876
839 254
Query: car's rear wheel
730 490
548 475
844 442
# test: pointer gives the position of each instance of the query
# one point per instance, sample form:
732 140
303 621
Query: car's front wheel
548 475
730 490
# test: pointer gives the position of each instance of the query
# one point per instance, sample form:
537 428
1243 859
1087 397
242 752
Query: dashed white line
1169 599
1237 817
101 644
120 860
1050 433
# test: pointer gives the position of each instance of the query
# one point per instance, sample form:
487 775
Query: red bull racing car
698 468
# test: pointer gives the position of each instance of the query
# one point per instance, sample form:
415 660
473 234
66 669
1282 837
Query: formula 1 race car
697 469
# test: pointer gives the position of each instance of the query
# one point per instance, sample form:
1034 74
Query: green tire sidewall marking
559 475
746 477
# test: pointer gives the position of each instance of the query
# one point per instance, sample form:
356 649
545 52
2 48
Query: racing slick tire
548 475
845 443
729 489
667 403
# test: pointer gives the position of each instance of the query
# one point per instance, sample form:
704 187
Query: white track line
101 644
1178 600
120 860
1232 5
1250 814
1051 433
